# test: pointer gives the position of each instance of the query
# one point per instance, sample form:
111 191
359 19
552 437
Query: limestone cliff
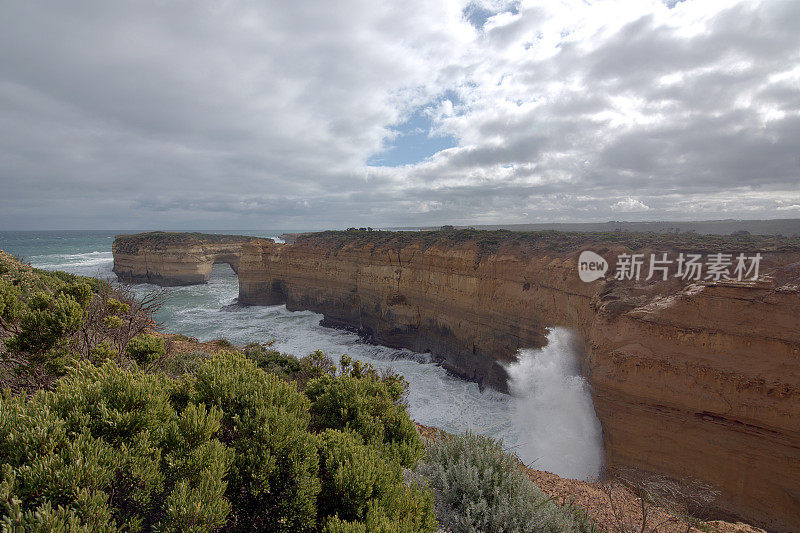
689 379
170 259
474 312
706 382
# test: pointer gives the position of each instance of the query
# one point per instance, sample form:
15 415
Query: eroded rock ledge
170 259
689 379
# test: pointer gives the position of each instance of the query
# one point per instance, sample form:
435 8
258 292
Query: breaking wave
553 409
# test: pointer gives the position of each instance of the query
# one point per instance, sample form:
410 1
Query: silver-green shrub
478 487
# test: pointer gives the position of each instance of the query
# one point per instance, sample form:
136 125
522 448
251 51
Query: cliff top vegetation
129 243
561 241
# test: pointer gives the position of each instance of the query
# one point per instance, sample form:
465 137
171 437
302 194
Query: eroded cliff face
169 259
705 382
473 311
691 380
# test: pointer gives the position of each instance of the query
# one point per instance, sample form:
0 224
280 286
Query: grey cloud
259 114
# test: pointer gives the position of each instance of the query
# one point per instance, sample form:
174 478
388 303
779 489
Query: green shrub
56 278
106 450
226 445
50 320
352 475
479 487
145 348
115 307
80 292
177 364
370 407
102 352
317 364
273 480
10 304
225 344
197 503
113 322
47 320
272 360
361 491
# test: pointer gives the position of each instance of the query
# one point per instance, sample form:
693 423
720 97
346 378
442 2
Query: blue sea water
549 420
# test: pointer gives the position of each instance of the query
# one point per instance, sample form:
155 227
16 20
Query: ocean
548 420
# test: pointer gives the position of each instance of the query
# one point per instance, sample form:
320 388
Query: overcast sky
311 114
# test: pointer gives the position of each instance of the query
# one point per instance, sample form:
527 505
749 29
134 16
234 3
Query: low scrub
479 487
361 402
145 349
230 447
51 320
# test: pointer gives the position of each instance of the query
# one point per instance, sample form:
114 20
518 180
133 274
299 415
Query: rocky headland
690 378
170 259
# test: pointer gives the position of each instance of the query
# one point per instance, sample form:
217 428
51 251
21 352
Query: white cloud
629 205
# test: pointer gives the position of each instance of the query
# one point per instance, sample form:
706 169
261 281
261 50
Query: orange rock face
689 380
169 261
473 311
706 382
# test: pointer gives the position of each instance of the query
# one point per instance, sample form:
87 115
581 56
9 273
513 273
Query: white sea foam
553 409
96 263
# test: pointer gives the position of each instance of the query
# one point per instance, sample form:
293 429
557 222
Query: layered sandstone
692 380
170 259
705 382
474 312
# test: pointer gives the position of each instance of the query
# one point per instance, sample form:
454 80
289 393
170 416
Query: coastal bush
361 491
46 320
312 366
225 344
81 292
102 352
273 479
479 487
228 446
271 360
369 406
10 304
179 364
104 451
145 348
49 320
115 316
353 474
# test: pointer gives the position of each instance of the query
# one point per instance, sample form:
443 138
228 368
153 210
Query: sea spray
553 411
